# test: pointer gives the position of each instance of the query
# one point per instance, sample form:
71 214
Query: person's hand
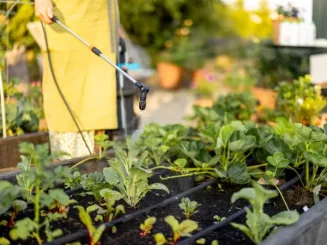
43 10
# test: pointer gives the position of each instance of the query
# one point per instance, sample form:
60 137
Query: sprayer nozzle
142 105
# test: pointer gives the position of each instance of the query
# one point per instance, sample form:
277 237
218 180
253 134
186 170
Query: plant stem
298 175
307 174
84 161
37 209
281 195
257 166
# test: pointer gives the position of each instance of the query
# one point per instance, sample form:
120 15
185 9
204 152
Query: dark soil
213 200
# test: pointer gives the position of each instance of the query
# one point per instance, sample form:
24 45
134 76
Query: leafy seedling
109 213
189 207
17 206
147 226
93 183
258 224
182 229
93 232
218 218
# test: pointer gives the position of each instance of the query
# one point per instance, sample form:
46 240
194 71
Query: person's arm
43 10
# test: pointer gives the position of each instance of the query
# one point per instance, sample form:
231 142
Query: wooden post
3 109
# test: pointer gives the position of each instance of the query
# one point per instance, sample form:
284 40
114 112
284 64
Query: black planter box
310 229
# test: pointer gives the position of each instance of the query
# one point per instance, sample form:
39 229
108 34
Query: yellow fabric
87 82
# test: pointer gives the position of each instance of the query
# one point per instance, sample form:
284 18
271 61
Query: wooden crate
9 154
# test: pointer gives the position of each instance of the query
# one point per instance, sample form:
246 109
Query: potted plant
300 101
289 13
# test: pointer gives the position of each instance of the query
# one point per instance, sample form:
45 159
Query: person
86 81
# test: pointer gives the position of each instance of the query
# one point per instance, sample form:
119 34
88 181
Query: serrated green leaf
244 144
316 159
238 173
278 160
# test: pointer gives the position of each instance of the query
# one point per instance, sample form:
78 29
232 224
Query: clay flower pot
170 75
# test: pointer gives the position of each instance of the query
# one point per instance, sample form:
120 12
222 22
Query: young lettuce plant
147 226
93 232
182 229
109 213
259 224
189 207
127 174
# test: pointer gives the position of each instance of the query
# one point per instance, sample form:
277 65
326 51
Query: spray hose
143 88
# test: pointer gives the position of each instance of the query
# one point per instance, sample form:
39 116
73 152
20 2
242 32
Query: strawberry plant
189 207
95 233
258 223
182 229
147 226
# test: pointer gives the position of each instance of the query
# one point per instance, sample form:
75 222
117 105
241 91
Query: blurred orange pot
170 75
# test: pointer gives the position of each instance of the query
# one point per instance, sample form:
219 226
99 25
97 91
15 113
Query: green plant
126 173
305 147
94 233
258 224
189 207
57 201
4 241
8 198
17 206
218 218
161 142
110 212
182 229
23 112
240 106
94 183
236 141
300 100
240 81
147 226
35 180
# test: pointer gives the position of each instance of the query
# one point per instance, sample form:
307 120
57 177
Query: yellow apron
87 82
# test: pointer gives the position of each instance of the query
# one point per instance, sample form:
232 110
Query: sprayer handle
54 19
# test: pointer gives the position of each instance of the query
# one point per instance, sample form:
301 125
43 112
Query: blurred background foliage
208 28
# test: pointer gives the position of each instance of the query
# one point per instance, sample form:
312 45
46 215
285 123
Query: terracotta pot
276 27
197 76
266 97
170 75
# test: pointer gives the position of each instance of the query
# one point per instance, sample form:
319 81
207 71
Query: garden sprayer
142 88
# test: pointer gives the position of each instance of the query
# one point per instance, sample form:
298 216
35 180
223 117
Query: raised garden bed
208 170
9 155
